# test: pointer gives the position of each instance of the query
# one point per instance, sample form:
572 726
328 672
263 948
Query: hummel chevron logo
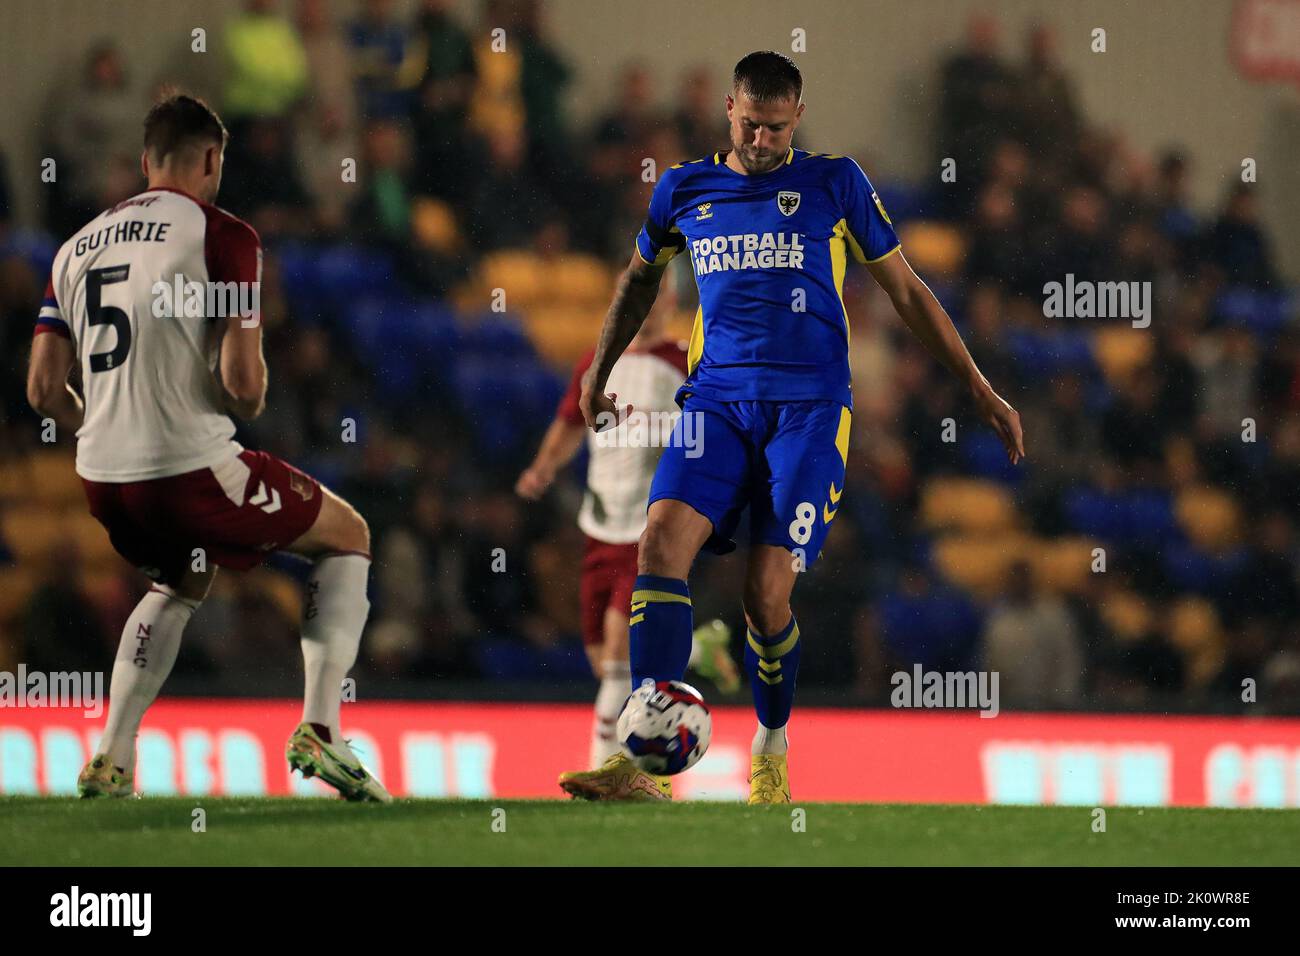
261 499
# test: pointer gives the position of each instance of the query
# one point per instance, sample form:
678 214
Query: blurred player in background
154 442
770 229
613 514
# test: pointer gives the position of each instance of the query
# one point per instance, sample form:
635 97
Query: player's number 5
99 314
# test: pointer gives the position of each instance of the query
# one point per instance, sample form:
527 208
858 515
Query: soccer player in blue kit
769 229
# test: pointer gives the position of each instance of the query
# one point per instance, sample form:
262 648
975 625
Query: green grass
281 831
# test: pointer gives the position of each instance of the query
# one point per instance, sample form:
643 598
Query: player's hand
599 410
532 484
1003 419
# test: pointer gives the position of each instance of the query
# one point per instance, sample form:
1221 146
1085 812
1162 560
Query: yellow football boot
100 778
769 780
618 778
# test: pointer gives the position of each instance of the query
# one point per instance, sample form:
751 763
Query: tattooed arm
635 294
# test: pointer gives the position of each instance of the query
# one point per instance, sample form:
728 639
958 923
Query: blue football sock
660 626
773 665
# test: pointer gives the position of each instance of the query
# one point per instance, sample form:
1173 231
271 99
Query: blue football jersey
769 253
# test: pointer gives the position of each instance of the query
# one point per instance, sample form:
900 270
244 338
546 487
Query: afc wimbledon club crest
787 202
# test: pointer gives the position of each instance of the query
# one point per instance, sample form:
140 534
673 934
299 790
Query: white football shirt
623 460
153 405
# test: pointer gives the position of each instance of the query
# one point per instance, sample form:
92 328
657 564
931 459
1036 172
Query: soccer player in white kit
155 446
613 515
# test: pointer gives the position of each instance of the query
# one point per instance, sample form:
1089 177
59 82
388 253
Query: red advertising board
516 750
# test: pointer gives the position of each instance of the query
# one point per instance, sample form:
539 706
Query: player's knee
350 531
655 552
767 615
358 532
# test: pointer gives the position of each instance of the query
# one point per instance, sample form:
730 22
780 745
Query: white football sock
615 686
769 741
333 619
150 641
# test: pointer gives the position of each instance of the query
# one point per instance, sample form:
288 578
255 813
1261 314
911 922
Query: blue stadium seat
1264 313
38 248
1144 517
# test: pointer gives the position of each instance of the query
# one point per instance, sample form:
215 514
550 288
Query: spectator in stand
1173 210
977 105
326 128
265 186
1032 641
94 139
700 119
266 66
1237 246
544 77
633 117
442 102
387 65
1047 118
509 203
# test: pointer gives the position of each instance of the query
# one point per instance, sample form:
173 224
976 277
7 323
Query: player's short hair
177 122
766 76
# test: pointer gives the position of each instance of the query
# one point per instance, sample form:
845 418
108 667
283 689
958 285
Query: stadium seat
1143 516
969 505
562 334
934 248
33 535
1127 615
1210 517
1120 350
579 280
979 563
985 456
1064 564
1189 568
520 274
52 481
495 335
1195 629
1264 313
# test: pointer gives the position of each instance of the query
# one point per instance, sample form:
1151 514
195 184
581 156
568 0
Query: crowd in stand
459 151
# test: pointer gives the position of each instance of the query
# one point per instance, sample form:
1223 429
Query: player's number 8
98 314
801 528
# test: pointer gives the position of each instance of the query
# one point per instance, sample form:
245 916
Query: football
665 727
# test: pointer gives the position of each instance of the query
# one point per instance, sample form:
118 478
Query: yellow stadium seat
1195 629
980 563
1121 350
54 479
578 280
1126 614
1064 564
1210 517
560 334
33 534
967 504
433 225
520 274
933 248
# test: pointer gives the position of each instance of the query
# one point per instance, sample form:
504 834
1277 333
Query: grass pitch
296 832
